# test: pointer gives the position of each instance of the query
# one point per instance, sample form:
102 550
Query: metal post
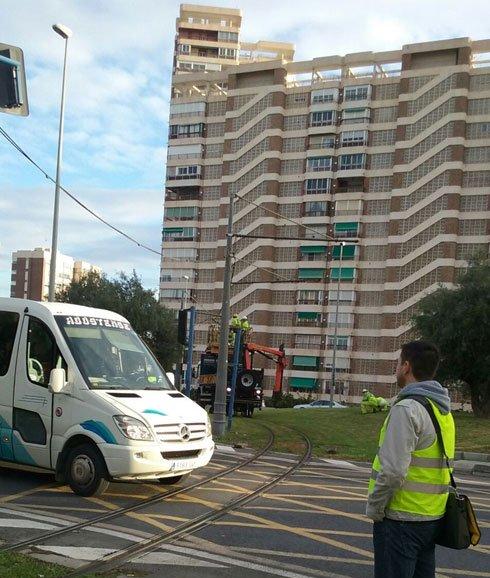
190 348
334 368
236 360
219 414
54 238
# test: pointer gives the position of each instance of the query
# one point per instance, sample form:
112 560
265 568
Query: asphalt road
312 524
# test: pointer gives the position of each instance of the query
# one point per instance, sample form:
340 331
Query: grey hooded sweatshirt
409 428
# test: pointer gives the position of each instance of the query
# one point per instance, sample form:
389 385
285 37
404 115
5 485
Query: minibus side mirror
57 380
171 377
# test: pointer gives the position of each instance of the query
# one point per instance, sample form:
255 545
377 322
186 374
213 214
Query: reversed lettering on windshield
94 322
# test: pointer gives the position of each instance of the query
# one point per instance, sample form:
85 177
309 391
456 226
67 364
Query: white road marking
87 554
10 523
343 464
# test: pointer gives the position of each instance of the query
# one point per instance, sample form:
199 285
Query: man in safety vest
409 482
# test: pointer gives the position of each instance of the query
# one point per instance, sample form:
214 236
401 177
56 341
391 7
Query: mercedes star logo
184 433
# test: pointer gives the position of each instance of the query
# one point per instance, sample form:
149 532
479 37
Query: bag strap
430 410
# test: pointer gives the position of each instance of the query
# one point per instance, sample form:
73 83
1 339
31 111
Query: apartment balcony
352 185
181 192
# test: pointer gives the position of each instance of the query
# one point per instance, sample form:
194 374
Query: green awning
314 249
173 229
307 315
346 273
305 360
302 382
348 252
338 227
311 273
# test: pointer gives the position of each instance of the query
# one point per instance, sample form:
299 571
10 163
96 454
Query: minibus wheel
173 479
86 471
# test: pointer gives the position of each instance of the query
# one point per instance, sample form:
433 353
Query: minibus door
33 402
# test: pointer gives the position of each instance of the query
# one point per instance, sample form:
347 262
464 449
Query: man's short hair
423 357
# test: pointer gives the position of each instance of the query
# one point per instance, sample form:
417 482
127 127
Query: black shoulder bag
459 526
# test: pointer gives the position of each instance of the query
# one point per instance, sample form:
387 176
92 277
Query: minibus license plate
183 465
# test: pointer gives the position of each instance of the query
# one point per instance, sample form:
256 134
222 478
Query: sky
118 87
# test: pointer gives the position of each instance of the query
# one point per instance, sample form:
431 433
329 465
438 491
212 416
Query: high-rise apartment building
391 149
30 273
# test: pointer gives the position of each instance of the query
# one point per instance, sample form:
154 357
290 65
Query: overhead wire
75 199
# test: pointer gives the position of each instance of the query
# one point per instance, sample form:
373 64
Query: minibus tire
173 480
90 460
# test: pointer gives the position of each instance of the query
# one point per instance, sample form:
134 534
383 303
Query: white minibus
81 395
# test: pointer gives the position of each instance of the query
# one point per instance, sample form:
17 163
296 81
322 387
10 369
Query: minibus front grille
171 432
180 455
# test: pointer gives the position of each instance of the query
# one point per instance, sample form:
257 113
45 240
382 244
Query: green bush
287 400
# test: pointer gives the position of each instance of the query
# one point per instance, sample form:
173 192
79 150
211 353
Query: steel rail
116 559
24 544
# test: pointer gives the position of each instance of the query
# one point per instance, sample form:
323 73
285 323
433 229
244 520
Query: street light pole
219 410
334 368
65 33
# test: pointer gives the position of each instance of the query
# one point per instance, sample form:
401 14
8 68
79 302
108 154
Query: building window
302 383
184 48
324 95
322 118
316 164
343 342
317 186
310 297
355 115
322 141
181 213
344 296
305 362
344 319
316 209
356 161
346 229
350 207
179 233
306 341
186 130
346 273
227 36
348 252
357 92
352 138
307 318
227 53
311 274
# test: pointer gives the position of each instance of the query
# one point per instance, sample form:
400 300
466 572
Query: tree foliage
125 295
458 322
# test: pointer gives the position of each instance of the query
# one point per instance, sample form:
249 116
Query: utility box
13 88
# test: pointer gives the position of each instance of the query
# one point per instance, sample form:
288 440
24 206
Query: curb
472 456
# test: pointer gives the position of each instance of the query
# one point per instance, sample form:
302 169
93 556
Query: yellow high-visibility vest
426 486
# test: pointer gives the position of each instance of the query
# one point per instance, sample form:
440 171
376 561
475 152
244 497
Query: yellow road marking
298 531
11 497
316 497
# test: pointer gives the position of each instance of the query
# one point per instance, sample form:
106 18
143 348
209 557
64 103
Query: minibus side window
8 329
43 354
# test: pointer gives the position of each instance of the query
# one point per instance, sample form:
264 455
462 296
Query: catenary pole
219 413
334 356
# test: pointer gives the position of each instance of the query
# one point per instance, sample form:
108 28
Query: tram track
152 500
122 556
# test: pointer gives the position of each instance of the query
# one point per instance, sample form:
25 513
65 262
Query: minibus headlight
132 428
209 429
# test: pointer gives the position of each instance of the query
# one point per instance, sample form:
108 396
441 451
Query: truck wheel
173 480
86 471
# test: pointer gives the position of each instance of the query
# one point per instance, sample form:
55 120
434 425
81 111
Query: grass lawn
340 433
14 565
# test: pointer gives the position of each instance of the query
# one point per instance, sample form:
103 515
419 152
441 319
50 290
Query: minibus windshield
110 355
